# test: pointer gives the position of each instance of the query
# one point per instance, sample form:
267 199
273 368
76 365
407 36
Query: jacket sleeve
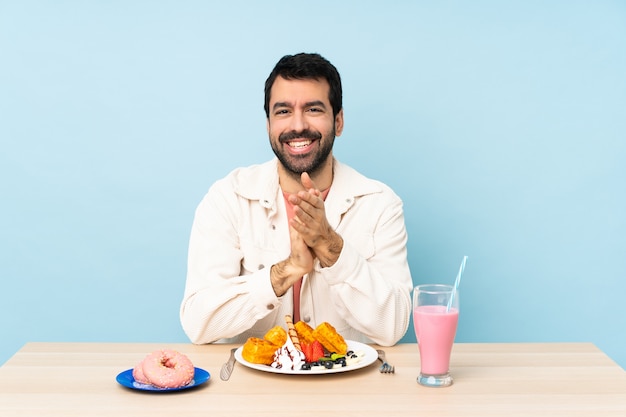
222 298
371 281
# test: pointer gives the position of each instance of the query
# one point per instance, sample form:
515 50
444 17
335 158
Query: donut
167 369
138 374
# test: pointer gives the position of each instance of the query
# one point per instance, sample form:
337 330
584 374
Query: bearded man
302 234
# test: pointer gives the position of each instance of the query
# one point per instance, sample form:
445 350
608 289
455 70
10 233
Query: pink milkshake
435 330
435 317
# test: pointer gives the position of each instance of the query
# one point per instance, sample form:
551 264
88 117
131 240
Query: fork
228 366
385 368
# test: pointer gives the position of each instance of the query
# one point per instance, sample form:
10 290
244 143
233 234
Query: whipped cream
355 358
288 357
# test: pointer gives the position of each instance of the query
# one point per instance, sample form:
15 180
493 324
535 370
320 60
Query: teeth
300 144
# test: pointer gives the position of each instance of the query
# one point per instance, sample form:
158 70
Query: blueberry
329 364
306 367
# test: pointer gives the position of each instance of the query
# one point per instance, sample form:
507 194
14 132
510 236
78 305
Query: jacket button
270 306
306 319
261 266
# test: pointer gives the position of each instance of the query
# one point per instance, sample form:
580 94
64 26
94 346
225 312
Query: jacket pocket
256 257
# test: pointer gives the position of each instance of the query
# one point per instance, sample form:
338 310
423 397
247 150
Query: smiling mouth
299 139
297 144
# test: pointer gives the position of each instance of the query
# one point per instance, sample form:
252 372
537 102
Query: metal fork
228 366
385 368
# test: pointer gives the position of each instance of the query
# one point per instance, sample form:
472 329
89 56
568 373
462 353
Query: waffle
305 332
276 336
261 351
330 339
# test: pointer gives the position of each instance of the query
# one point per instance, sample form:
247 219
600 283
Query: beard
311 162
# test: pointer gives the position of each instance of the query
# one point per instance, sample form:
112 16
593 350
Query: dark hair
304 66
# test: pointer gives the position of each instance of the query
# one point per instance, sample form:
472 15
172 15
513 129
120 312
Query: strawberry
317 351
307 349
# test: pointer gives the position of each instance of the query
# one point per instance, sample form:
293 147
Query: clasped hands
311 238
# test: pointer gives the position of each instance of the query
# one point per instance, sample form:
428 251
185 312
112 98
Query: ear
339 123
267 125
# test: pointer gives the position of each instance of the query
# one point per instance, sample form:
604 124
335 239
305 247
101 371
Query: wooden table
78 379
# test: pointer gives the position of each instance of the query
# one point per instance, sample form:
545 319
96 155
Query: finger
298 244
308 197
301 254
309 185
304 202
302 215
306 180
303 236
297 241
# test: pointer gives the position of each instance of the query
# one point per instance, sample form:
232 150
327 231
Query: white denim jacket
240 230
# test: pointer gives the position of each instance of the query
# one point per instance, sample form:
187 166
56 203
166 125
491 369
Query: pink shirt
298 284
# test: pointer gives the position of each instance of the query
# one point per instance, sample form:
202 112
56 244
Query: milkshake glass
435 317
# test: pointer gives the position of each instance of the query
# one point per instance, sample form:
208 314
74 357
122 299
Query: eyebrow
313 103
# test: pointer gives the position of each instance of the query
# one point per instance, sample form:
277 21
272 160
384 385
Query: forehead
294 91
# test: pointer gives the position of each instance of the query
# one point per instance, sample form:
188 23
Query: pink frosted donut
168 369
138 374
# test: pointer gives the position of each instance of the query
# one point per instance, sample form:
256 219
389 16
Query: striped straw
457 281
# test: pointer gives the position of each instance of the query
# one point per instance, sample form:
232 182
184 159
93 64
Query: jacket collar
260 182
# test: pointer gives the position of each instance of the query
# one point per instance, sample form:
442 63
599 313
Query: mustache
304 134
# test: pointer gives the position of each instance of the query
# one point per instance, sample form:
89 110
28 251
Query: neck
290 182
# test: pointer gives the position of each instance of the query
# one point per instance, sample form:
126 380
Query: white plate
369 357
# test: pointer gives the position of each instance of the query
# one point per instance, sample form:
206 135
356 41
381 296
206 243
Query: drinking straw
457 281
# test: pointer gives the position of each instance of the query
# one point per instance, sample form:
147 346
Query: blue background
502 125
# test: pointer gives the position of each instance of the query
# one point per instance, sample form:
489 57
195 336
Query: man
302 234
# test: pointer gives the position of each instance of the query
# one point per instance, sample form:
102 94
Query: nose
298 122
